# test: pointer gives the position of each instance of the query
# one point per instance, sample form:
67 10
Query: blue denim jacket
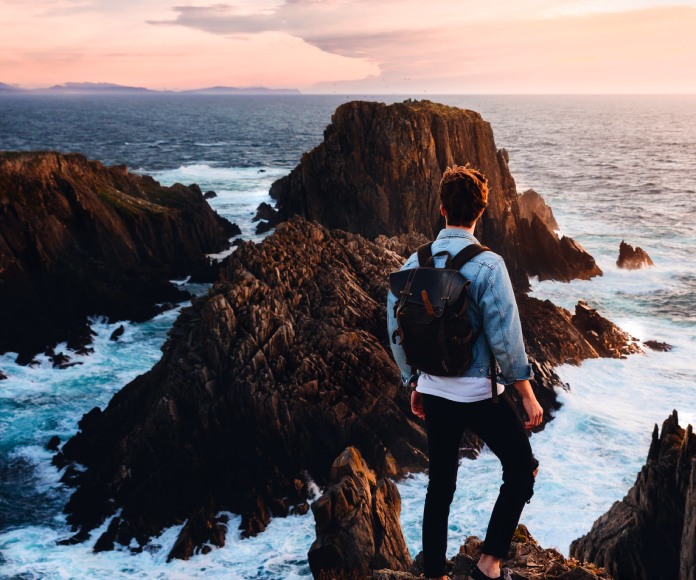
492 307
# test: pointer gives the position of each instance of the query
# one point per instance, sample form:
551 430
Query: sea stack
633 259
378 169
79 239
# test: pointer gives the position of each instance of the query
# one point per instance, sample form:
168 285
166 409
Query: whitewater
611 168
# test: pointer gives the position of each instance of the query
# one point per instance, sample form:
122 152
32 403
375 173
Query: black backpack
432 313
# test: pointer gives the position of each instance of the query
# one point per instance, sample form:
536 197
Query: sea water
611 167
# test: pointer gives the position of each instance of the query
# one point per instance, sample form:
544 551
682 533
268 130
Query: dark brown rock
118 333
269 217
531 203
209 195
357 522
203 529
262 382
3 376
53 443
607 339
633 259
79 239
526 560
378 170
658 346
650 534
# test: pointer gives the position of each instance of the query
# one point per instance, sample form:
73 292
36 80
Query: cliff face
78 239
263 382
378 169
651 533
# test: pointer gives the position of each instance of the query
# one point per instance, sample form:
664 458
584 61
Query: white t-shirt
460 389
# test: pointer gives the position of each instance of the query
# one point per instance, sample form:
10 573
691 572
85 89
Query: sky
355 46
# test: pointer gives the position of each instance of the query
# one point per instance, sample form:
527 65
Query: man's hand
417 404
534 411
530 403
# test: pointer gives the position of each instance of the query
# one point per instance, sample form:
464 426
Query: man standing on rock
451 404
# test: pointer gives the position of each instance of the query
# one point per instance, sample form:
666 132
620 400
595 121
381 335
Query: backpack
432 313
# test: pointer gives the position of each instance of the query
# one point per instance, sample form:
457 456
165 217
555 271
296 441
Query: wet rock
53 443
651 533
531 203
269 217
201 531
209 195
79 239
526 560
118 333
607 339
378 169
658 346
3 376
357 522
632 259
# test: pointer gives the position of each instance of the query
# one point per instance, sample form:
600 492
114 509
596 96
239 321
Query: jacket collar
448 233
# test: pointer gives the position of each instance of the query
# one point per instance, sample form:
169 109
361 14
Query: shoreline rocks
357 522
651 533
631 258
79 239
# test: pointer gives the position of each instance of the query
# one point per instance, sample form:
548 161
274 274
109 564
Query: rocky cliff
357 523
378 169
79 239
651 533
261 385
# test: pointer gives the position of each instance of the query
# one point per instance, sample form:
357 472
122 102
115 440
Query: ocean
612 168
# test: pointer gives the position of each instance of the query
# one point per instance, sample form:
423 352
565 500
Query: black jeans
502 430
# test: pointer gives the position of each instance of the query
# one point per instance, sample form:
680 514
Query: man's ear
443 212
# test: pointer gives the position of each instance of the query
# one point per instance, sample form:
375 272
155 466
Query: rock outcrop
651 533
378 169
526 560
262 384
531 203
631 258
357 522
79 239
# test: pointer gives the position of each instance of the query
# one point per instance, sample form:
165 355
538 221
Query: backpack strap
425 254
462 257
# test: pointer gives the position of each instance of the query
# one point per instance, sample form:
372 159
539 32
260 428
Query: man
451 404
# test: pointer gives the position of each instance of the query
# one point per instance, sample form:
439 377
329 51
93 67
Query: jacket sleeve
501 324
397 349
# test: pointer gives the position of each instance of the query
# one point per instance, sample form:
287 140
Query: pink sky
377 46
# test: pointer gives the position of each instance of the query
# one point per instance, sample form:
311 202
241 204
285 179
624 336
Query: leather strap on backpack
425 254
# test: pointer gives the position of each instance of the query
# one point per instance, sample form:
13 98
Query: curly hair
463 194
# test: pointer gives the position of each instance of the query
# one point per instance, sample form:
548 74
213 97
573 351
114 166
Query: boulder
357 522
633 259
651 533
377 173
79 239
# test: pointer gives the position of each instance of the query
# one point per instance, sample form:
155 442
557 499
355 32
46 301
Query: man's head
463 195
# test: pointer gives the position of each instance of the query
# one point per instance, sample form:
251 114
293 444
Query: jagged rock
607 339
526 560
658 346
3 376
531 203
378 170
53 443
209 195
651 533
357 522
633 259
261 384
202 530
269 217
79 239
118 333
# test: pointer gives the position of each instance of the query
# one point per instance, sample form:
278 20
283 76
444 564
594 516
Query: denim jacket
492 309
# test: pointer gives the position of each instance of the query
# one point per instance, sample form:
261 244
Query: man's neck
469 229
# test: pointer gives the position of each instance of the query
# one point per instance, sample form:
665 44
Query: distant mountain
242 91
10 88
95 88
